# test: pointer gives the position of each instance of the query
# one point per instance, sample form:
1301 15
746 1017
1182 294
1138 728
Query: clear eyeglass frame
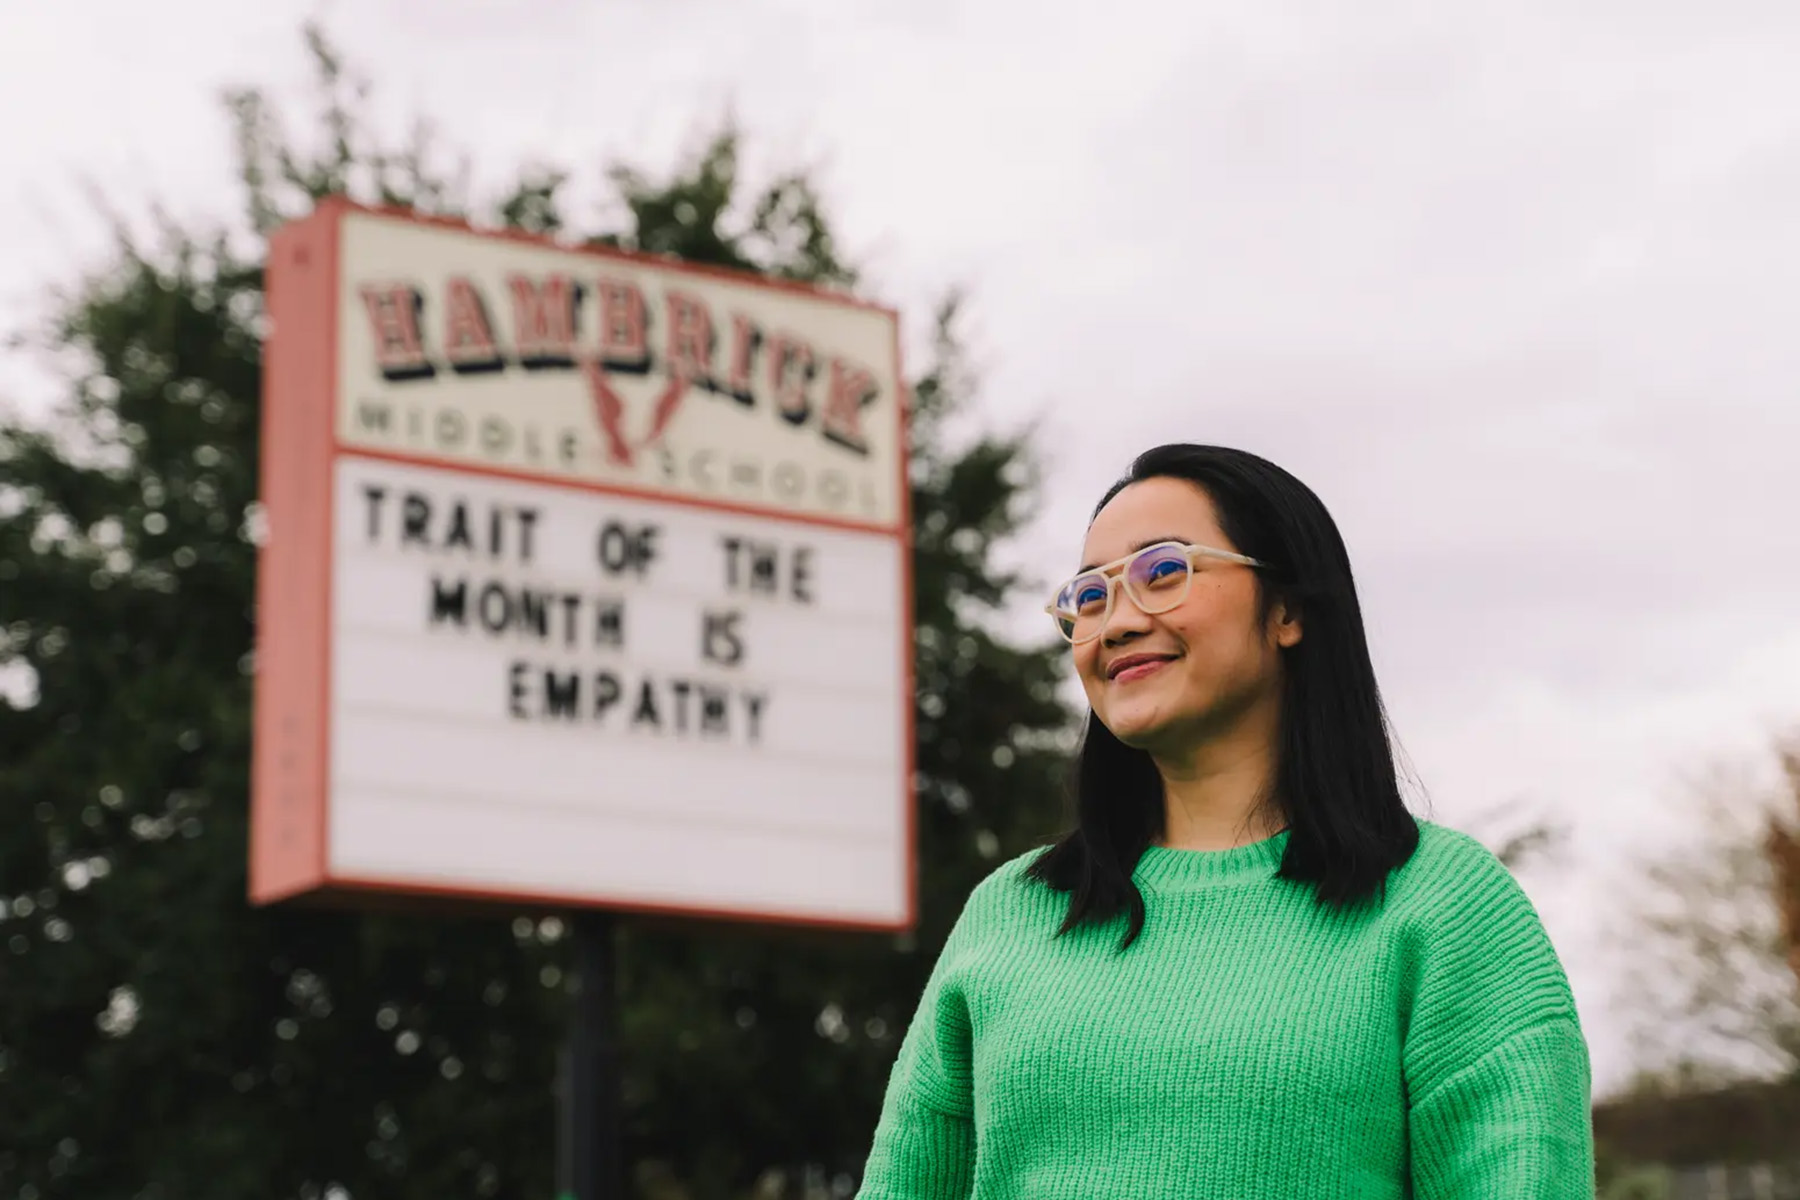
1117 574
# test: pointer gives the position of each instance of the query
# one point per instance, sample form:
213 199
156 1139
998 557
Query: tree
1713 1000
158 1038
1783 846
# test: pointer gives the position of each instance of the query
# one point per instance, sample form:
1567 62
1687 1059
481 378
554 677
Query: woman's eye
1092 594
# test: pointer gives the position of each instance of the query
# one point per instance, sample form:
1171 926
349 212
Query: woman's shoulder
1446 850
1481 963
1452 878
1006 891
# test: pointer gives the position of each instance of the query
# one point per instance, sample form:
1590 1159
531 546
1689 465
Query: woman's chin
1141 730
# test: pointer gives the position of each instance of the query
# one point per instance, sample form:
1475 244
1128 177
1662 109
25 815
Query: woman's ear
1284 624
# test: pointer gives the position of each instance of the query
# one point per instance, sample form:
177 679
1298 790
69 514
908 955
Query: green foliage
693 218
160 1038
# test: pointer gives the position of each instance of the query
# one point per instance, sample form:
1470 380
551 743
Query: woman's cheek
1087 664
1093 689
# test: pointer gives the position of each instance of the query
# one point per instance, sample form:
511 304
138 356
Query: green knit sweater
1250 1045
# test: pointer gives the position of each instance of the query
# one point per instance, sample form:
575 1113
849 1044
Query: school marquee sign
586 581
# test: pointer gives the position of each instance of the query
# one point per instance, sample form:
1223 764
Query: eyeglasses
1156 577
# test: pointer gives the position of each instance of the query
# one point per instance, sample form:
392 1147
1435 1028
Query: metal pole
590 1166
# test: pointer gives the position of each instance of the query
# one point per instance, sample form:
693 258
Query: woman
1248 973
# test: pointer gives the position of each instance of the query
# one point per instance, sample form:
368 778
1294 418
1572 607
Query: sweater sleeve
1497 1071
924 1146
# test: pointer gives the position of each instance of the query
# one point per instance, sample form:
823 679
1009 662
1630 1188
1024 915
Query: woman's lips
1140 670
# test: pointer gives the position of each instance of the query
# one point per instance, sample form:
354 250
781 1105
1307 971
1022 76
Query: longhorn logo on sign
609 409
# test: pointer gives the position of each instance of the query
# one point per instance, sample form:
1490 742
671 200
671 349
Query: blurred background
1511 286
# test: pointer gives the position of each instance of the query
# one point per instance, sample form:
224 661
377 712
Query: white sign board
586 582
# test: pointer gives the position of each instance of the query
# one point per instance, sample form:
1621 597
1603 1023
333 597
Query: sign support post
590 1162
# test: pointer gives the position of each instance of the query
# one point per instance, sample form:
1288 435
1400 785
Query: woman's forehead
1151 510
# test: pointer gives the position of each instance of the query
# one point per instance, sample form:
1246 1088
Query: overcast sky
1511 285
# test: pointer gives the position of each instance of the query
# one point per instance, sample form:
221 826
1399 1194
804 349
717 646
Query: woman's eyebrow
1155 541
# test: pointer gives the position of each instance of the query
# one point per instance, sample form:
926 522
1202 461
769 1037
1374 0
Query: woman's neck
1214 795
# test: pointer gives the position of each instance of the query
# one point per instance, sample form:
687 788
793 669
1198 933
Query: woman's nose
1125 618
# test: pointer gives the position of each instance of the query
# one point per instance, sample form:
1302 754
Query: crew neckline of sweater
1163 867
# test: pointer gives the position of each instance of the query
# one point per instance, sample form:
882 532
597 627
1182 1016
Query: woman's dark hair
1335 781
